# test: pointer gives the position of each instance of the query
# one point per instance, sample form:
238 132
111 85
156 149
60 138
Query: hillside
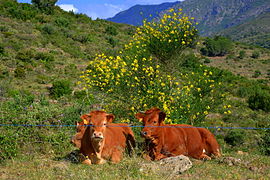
255 31
56 66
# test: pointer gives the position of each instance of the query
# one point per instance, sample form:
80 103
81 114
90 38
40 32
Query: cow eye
155 122
104 124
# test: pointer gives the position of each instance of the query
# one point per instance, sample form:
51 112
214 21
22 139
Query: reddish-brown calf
172 140
101 139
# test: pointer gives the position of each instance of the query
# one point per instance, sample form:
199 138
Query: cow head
97 120
77 138
151 119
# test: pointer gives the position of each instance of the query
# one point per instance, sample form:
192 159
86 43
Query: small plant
256 74
2 50
242 54
112 41
206 60
235 137
48 29
19 72
45 57
111 30
60 88
62 22
255 54
260 100
25 55
265 144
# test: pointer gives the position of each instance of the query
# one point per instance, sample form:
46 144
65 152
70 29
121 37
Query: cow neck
159 137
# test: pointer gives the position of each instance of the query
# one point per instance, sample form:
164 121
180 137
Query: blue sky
101 8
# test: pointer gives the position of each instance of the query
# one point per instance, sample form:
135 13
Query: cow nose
98 134
143 133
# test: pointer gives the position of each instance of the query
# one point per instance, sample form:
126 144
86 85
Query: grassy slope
43 158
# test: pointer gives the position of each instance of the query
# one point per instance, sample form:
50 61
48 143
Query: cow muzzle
97 136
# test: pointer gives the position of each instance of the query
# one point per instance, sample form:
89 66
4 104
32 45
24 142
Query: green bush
45 57
8 144
255 54
235 137
206 60
111 30
26 55
48 29
218 46
265 143
60 88
19 72
256 74
260 100
2 50
62 22
112 41
242 54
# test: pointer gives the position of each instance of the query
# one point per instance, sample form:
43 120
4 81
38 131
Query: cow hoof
87 162
102 161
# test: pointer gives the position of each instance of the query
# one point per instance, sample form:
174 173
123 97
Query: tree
46 5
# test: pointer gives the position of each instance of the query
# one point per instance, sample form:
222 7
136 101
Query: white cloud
103 11
68 7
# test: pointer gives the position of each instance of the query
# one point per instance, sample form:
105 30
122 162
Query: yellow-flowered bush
136 78
167 36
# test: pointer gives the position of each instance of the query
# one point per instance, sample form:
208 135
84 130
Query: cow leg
87 162
116 156
203 156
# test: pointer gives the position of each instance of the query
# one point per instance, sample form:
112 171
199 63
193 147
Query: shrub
255 54
235 137
48 29
218 46
256 74
265 143
242 54
206 60
112 41
164 38
9 147
111 30
2 50
26 55
19 72
45 57
60 88
62 22
260 100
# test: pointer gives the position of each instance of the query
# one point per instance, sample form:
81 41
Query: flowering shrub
164 38
136 78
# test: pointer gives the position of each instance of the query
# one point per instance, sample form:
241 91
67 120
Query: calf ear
162 116
139 116
85 118
110 118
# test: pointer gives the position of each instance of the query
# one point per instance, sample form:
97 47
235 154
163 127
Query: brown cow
172 140
102 140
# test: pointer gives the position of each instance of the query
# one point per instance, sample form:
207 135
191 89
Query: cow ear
140 116
162 116
110 118
85 118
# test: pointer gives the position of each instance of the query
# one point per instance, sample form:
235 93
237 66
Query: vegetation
43 54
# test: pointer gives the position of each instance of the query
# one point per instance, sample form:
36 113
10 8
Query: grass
50 167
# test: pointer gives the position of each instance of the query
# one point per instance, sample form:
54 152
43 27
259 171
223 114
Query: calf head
77 138
152 119
97 120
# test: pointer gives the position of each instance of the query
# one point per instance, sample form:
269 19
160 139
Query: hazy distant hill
136 14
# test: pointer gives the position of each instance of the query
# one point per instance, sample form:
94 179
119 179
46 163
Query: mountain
136 14
213 16
216 15
255 31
